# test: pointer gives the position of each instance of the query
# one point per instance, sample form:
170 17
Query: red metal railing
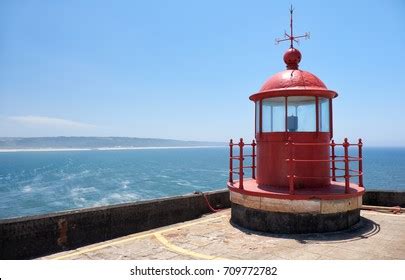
333 159
241 158
346 159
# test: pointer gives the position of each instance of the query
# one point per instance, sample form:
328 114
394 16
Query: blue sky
185 69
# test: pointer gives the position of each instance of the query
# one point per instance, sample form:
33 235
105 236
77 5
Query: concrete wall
384 198
30 237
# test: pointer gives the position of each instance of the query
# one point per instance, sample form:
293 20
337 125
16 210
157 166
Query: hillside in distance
63 142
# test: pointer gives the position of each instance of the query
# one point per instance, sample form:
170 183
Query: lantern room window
273 114
324 114
257 116
301 114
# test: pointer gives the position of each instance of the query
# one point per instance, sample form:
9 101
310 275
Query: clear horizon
184 70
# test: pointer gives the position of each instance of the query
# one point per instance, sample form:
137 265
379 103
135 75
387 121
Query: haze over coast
13 144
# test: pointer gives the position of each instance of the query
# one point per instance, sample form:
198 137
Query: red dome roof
293 79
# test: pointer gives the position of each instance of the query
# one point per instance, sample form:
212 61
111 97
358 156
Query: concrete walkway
377 236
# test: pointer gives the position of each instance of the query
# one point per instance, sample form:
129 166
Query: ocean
41 182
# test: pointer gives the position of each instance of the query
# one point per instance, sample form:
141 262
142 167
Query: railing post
230 161
333 160
360 163
241 144
290 166
253 159
346 158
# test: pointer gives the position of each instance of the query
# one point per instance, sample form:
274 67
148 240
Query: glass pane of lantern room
301 115
257 117
273 114
324 114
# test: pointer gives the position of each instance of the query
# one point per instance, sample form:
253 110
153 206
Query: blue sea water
41 182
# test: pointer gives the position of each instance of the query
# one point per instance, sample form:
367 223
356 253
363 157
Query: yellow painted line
131 238
182 251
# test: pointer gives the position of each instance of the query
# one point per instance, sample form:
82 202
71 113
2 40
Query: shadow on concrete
365 228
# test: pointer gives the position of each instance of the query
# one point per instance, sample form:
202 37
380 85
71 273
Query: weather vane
290 37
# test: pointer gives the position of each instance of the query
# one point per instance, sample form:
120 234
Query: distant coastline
104 149
63 143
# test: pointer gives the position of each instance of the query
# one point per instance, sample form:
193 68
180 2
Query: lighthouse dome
293 79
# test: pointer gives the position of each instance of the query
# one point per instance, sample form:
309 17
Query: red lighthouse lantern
300 183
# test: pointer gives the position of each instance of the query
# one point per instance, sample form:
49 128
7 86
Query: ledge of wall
35 236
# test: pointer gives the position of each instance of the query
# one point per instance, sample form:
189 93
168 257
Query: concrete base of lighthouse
299 213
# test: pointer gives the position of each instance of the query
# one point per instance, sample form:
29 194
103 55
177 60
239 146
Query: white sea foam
78 195
82 190
125 184
182 182
27 189
116 198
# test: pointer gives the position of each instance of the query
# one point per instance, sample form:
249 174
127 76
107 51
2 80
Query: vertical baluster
333 160
241 144
290 166
360 163
253 159
231 161
346 158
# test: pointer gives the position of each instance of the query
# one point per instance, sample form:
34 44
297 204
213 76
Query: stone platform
307 210
376 236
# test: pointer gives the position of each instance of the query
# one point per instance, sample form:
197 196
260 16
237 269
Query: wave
115 198
27 189
125 184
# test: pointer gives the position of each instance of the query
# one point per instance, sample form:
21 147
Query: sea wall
35 236
384 198
30 237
